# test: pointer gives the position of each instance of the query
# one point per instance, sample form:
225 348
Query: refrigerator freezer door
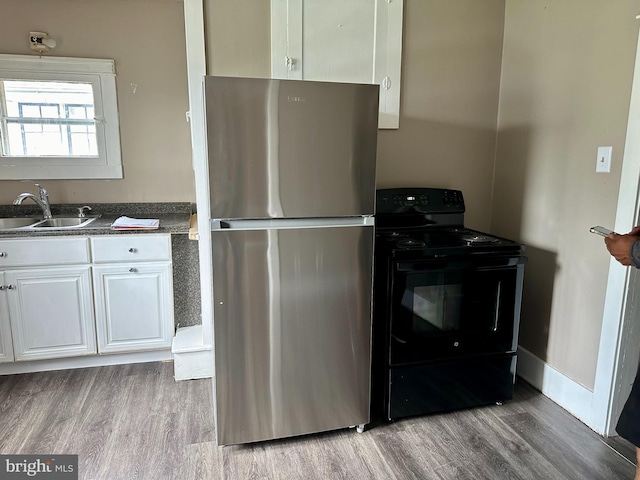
289 148
292 331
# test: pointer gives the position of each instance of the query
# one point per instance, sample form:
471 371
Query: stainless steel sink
18 222
64 222
35 223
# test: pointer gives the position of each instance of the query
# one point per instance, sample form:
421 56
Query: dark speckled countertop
174 218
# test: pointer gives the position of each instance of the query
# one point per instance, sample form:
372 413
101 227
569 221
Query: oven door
454 307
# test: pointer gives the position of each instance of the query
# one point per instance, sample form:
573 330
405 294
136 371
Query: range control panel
419 200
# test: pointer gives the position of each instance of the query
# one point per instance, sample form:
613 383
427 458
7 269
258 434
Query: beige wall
449 99
146 40
566 83
238 38
449 102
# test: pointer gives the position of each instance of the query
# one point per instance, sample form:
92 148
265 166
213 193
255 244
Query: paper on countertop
124 223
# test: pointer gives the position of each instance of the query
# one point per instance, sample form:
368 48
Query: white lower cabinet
51 312
46 301
72 296
6 345
133 291
134 306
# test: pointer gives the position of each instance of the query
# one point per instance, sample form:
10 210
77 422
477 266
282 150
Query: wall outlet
603 162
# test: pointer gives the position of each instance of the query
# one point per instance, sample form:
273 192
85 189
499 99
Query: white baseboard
567 393
191 358
83 362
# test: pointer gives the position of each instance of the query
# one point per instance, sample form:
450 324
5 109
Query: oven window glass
434 307
443 310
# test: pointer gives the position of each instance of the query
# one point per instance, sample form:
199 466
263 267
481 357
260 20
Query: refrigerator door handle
285 223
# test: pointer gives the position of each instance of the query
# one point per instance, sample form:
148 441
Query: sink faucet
43 201
81 211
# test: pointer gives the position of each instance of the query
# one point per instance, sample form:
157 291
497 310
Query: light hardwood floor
135 421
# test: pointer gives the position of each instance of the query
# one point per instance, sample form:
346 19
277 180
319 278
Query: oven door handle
497 308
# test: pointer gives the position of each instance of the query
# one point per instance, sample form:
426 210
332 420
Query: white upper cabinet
359 41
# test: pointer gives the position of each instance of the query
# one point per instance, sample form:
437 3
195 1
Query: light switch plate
603 162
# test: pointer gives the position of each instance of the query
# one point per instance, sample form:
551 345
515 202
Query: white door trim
192 346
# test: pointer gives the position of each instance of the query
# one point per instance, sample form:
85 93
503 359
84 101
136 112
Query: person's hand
619 246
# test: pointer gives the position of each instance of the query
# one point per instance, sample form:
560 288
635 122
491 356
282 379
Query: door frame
196 70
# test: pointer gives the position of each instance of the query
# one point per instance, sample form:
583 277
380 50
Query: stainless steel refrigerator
292 182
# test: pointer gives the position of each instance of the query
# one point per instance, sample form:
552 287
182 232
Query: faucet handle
44 195
81 211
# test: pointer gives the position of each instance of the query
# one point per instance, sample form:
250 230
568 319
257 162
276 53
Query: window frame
100 73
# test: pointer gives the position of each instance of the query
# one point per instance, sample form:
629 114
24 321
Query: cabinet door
134 306
6 345
51 312
359 41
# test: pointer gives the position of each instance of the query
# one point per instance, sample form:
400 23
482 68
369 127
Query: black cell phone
601 231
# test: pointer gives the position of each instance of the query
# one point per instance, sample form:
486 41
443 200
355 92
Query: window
58 118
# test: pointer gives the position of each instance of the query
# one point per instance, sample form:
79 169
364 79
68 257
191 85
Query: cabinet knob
2 287
133 270
132 250
11 287
3 254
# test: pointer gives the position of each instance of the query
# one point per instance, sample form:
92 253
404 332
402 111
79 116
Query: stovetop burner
411 242
477 239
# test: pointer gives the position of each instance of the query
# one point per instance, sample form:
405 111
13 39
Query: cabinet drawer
131 248
43 251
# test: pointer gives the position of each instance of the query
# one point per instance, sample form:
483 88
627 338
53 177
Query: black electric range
446 306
